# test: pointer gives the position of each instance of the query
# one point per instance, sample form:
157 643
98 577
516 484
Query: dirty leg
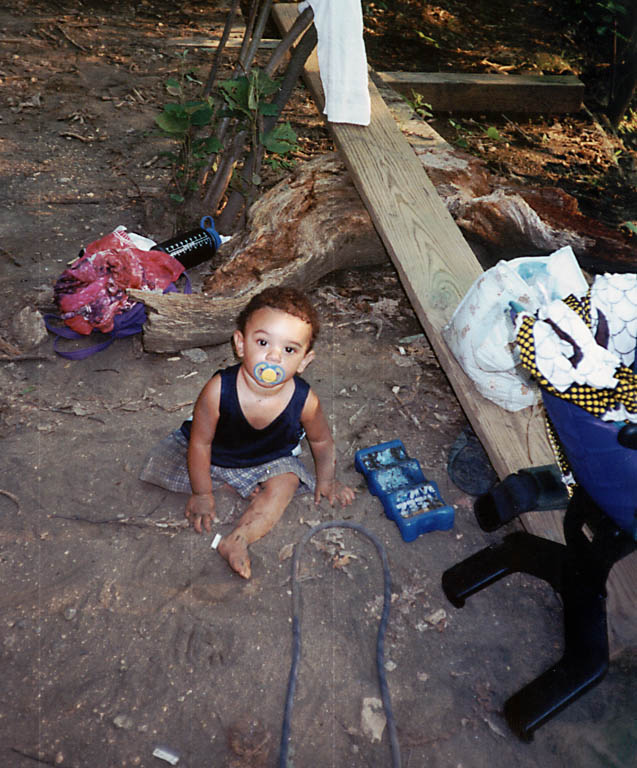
261 516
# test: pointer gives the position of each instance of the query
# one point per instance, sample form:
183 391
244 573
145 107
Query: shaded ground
578 152
120 630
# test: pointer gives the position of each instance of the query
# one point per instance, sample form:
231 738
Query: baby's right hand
200 508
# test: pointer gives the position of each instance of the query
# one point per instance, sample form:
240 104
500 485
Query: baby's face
274 346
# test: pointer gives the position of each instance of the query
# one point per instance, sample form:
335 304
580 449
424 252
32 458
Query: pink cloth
93 289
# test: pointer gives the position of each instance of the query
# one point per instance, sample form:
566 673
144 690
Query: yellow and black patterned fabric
595 401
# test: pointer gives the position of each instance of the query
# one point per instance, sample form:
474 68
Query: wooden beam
234 41
437 267
522 94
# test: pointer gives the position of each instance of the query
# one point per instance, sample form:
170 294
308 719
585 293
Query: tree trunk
626 73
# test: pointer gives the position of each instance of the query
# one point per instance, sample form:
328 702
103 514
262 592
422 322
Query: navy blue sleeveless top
238 444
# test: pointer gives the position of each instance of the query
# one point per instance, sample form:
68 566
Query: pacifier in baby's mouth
269 374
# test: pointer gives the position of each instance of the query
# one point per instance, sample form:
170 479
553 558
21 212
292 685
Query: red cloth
93 289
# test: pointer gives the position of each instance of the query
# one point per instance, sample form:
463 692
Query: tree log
314 223
181 321
302 229
502 219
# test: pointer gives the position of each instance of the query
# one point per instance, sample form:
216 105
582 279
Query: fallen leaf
342 561
286 552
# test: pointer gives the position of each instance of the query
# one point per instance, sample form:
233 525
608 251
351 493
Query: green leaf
280 139
427 38
631 226
173 87
268 109
172 124
212 145
201 117
493 133
235 93
462 143
177 109
265 85
177 197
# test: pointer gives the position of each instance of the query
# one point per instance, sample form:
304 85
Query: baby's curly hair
288 300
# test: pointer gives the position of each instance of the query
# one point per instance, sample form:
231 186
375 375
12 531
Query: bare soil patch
120 629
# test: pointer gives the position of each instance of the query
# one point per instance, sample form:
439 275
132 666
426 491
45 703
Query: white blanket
342 59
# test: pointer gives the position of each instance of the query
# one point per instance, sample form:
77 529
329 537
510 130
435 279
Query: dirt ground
120 629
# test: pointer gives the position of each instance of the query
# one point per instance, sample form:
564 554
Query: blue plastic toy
409 499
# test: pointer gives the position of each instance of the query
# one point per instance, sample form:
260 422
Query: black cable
380 641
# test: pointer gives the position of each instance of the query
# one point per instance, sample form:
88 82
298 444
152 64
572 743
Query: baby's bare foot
234 549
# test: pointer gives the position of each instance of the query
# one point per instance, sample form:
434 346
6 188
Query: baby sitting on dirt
247 425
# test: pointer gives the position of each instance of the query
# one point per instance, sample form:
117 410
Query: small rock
29 328
195 354
402 362
123 721
390 666
436 617
373 720
70 613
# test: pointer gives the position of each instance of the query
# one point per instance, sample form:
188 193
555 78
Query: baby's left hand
334 491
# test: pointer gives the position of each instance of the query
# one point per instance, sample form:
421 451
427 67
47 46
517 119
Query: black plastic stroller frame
578 571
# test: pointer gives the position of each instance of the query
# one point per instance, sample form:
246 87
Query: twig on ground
70 39
20 358
133 521
516 127
8 348
78 136
607 144
13 498
66 412
407 411
35 758
376 321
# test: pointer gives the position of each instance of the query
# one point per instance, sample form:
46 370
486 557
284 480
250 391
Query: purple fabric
126 323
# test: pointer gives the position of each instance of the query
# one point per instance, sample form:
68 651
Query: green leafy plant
460 130
607 13
428 39
629 122
184 120
193 123
419 105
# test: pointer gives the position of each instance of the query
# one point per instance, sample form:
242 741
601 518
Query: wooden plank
234 41
460 92
437 267
434 261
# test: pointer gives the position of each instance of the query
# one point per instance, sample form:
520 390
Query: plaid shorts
167 466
